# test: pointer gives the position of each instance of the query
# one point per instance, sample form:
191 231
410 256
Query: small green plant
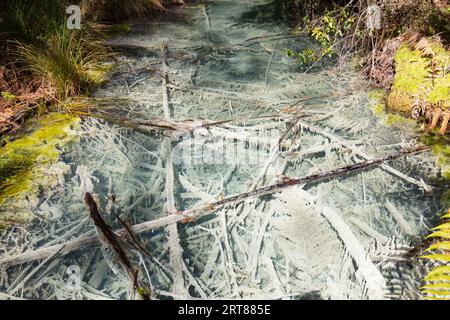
8 96
305 56
330 27
326 31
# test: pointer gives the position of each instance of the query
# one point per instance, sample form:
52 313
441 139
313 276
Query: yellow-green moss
413 81
378 110
376 102
376 95
97 75
411 72
25 163
394 119
440 94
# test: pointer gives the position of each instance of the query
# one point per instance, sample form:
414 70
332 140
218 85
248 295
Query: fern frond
437 278
425 47
445 225
439 257
440 234
439 270
439 293
436 298
436 286
446 216
443 245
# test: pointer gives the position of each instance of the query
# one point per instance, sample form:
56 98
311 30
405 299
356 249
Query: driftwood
111 241
191 214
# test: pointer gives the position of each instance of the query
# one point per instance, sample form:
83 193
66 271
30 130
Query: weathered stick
109 239
364 155
86 242
193 213
175 250
308 179
106 235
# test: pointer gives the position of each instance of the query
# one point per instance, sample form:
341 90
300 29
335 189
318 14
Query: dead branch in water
110 240
364 155
191 214
308 179
175 250
85 242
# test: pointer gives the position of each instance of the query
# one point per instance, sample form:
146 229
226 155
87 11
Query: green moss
95 76
376 95
411 73
378 109
25 163
378 106
411 70
377 103
413 80
440 94
396 119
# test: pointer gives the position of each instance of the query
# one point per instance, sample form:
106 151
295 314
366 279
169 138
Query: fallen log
192 214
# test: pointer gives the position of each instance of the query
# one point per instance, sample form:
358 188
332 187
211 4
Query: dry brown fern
425 47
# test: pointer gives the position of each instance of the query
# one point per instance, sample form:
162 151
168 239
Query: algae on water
30 164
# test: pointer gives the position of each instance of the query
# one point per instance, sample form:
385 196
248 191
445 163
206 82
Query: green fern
437 281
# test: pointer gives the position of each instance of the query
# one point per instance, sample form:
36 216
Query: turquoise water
342 238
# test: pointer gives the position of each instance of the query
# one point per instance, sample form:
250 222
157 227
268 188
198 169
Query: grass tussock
66 61
35 42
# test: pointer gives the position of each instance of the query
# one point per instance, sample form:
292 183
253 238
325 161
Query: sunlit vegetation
57 63
44 67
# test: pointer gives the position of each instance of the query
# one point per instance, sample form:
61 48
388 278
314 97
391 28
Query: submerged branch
191 214
175 249
110 240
